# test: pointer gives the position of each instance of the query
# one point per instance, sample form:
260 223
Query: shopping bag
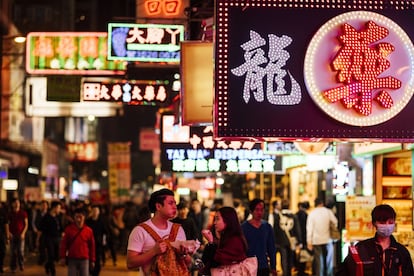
247 267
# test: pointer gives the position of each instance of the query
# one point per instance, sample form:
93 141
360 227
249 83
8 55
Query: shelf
396 181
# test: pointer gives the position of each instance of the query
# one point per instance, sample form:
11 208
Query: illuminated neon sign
77 53
204 154
320 73
163 7
145 42
150 92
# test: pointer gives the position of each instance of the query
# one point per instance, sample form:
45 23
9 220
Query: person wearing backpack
145 250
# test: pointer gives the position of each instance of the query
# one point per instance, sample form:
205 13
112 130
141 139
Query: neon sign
52 53
145 42
150 92
164 7
204 154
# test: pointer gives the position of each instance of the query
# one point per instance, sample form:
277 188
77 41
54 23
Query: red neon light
164 7
358 64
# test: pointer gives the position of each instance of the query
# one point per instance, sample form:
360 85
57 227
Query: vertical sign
119 178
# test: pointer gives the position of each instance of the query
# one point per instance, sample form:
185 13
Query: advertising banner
314 70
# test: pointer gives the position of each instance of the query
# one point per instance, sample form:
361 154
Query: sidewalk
32 269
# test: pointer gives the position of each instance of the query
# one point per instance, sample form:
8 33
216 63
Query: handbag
247 267
305 256
334 232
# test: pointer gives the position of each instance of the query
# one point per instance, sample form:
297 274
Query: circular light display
359 68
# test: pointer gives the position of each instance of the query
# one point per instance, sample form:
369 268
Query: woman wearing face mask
382 254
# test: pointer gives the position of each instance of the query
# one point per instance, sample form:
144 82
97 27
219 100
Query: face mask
385 230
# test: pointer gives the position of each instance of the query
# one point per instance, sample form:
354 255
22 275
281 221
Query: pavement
33 269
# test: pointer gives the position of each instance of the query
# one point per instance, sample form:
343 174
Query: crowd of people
85 236
44 230
232 237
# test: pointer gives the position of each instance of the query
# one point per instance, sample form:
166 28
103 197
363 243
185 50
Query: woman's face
219 222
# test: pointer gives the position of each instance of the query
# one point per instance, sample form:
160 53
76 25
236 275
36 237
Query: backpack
168 263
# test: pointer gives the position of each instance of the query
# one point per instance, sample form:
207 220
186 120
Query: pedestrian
290 224
186 222
4 235
302 217
50 229
231 245
282 241
18 225
260 239
40 241
96 223
386 255
77 247
142 248
199 214
318 238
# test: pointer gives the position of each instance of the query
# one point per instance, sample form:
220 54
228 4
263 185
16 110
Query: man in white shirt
142 248
318 238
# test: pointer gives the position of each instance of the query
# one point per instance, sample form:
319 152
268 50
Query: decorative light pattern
361 68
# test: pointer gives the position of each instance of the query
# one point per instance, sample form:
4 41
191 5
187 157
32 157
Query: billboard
314 71
77 53
145 42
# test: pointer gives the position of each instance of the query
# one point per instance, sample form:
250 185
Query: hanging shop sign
324 70
204 154
87 151
77 53
138 92
145 42
165 9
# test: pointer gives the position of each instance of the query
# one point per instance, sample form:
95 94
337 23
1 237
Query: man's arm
26 226
136 259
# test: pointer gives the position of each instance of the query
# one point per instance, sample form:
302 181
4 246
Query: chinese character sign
314 71
70 53
130 92
368 87
145 42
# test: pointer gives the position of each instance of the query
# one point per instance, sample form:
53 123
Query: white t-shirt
141 241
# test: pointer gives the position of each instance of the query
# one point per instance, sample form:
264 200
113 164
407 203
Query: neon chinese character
88 47
257 66
170 7
66 47
135 35
43 47
359 63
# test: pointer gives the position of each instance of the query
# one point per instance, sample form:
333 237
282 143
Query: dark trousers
42 250
52 253
98 260
286 259
2 252
17 252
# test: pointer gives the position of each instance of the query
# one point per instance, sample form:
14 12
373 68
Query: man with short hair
319 239
78 246
260 239
386 255
96 223
18 224
142 248
50 229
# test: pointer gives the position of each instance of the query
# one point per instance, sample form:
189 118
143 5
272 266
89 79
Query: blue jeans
17 252
78 267
323 259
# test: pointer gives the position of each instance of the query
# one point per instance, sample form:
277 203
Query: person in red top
18 224
78 246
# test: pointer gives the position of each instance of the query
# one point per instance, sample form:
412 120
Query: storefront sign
204 154
166 9
145 42
78 53
151 92
83 151
325 71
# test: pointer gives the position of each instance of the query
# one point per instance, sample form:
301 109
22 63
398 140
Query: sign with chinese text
358 217
145 42
83 151
165 9
204 154
150 92
119 171
293 148
78 53
325 71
